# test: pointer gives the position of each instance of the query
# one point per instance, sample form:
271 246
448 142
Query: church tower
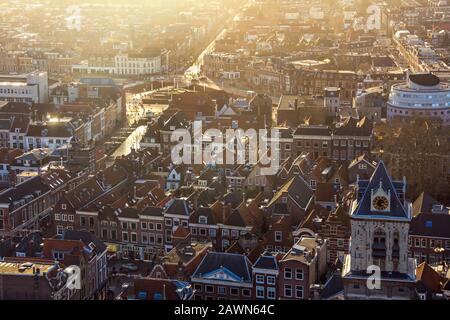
380 218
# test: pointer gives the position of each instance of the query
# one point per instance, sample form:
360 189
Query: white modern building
137 64
423 95
29 88
125 64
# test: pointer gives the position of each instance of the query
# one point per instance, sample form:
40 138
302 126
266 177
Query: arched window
395 250
379 248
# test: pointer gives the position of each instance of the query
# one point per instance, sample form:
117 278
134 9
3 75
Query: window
198 287
202 220
63 206
64 217
125 236
144 225
234 291
424 243
246 292
278 236
57 217
259 278
288 273
71 218
58 255
168 222
299 292
270 293
298 274
287 290
59 229
260 292
271 280
417 242
124 225
225 232
432 244
221 290
209 289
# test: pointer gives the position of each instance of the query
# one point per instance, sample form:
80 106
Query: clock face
380 203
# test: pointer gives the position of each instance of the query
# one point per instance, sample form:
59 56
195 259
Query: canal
131 142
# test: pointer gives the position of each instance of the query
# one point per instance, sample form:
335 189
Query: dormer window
278 236
202 220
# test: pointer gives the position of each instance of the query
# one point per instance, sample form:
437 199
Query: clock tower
380 218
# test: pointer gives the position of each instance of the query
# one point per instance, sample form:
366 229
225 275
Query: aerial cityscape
225 150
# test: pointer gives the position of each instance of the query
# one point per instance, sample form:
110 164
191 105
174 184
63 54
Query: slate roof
86 237
431 225
152 211
236 263
380 176
28 187
423 204
313 130
298 189
178 206
353 127
266 261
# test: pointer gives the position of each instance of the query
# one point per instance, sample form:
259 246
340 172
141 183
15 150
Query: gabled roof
297 189
178 207
237 266
380 178
429 277
423 204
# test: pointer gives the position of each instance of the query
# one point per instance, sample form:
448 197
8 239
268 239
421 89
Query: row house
301 268
77 208
312 81
352 138
429 233
315 139
336 228
85 250
279 237
265 276
292 200
223 276
180 262
26 206
176 214
246 218
48 135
